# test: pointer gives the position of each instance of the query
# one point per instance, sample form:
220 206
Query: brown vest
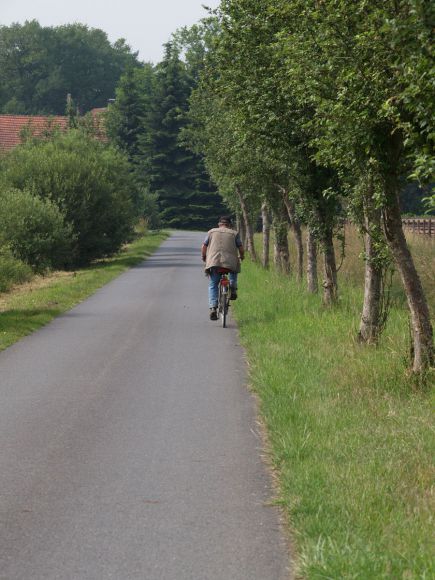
222 251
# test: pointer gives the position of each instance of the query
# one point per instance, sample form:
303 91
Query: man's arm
240 247
204 247
204 252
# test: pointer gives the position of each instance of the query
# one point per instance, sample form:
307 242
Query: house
14 127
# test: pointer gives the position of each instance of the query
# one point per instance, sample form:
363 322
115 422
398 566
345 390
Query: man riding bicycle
221 250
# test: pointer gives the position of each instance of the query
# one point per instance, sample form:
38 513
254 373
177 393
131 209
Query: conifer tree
175 174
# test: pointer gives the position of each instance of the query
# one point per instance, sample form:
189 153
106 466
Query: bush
34 230
150 210
12 271
88 180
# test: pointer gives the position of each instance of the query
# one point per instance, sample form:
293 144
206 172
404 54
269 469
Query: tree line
310 112
40 65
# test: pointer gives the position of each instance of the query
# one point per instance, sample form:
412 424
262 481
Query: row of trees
40 65
311 111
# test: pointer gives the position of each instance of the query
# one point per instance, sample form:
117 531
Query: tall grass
352 441
12 271
352 266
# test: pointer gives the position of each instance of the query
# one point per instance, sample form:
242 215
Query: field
350 437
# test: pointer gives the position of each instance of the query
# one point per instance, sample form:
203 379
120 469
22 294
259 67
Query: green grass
351 439
29 307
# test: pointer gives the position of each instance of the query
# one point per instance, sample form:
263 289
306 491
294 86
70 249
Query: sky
145 24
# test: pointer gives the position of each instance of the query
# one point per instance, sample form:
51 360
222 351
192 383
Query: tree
265 129
39 66
175 174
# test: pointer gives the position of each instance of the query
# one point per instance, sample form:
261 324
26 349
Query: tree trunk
422 350
296 226
311 262
280 227
266 235
330 287
248 226
370 323
241 229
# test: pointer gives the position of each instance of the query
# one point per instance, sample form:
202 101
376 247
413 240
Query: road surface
129 447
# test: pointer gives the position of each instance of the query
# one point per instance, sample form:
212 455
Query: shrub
12 271
88 180
34 230
150 210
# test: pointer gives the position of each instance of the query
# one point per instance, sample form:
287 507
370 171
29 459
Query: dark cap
225 219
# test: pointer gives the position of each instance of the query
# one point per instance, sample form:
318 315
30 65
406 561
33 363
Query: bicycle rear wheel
224 307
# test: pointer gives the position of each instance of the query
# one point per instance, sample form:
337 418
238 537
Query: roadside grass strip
351 439
32 305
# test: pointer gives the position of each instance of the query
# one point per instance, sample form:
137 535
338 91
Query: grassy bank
351 439
31 305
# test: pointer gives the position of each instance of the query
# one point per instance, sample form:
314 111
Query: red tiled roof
11 127
98 120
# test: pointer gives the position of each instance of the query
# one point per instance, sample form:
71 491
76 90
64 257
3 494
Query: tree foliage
34 230
87 180
147 121
40 65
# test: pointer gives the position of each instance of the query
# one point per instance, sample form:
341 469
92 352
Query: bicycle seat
223 270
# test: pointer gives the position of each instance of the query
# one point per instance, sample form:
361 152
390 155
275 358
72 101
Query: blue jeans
213 290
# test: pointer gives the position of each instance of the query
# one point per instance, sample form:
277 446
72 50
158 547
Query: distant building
14 127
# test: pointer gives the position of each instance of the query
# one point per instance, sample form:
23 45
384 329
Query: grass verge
351 440
31 305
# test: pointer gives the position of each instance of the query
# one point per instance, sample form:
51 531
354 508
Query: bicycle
224 294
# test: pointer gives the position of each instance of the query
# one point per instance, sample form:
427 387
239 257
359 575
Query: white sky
145 24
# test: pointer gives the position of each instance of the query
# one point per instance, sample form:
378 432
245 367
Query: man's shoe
213 314
233 293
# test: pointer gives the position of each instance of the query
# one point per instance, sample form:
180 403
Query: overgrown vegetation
34 230
12 271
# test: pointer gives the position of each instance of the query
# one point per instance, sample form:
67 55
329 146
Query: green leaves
40 65
86 181
34 230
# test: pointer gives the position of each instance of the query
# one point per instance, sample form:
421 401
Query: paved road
128 442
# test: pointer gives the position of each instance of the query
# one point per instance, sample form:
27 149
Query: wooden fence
420 225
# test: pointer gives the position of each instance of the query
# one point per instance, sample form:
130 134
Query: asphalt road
129 447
